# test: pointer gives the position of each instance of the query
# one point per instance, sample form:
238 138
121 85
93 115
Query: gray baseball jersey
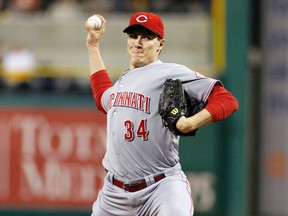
137 142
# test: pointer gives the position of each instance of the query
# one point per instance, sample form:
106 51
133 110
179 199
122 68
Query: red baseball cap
148 20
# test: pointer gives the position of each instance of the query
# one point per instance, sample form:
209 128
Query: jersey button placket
113 131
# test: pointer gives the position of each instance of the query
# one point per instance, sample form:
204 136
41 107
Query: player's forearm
94 36
95 60
186 125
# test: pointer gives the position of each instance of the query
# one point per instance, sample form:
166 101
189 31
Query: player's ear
161 43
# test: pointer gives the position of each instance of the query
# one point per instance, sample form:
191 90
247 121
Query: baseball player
144 176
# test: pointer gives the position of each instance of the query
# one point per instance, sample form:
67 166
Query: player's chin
138 62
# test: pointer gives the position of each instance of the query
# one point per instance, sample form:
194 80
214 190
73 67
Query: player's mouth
138 51
138 54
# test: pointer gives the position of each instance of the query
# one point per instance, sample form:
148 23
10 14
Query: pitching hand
94 35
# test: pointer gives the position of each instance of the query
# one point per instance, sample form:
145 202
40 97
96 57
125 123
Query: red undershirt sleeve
100 82
221 103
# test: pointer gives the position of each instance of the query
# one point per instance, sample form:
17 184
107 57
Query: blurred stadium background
52 138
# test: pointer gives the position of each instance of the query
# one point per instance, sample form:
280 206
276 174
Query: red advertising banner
51 157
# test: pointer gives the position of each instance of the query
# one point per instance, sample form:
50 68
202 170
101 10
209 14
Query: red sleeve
100 82
221 103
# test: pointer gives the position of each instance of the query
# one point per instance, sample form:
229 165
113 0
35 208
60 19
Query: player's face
143 47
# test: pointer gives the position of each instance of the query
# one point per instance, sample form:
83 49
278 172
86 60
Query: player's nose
138 40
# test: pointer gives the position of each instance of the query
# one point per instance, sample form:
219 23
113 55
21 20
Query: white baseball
94 22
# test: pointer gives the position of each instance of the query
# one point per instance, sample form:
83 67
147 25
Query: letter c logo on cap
142 19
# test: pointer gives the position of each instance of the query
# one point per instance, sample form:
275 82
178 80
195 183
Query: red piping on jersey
209 90
100 82
221 103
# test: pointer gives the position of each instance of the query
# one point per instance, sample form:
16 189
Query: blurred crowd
19 72
36 6
18 64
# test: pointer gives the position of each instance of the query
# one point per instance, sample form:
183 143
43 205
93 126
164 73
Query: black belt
136 186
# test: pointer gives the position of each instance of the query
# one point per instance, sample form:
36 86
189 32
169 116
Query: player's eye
149 37
134 36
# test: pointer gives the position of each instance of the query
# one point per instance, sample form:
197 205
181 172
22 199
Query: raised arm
93 45
100 81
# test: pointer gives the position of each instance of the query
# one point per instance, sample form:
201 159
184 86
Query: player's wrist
185 125
93 47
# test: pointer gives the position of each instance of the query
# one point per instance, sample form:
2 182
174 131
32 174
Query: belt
136 186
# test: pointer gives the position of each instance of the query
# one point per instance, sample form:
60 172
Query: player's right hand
94 35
